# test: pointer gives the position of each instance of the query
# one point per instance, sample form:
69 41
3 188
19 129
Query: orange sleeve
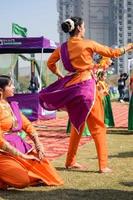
105 50
100 86
27 125
55 56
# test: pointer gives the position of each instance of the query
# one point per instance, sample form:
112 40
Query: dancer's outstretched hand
130 46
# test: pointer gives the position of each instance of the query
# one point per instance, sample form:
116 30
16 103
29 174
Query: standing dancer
76 92
103 88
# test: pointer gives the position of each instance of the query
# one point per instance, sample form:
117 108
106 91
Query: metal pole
40 79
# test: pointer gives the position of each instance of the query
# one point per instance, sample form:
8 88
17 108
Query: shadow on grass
119 131
123 155
127 154
128 184
67 194
75 170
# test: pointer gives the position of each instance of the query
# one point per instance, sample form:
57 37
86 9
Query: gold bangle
123 51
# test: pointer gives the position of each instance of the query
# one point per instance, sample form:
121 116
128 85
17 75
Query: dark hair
4 81
100 74
66 26
125 74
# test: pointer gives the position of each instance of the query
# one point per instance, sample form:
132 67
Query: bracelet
7 147
34 136
123 51
38 147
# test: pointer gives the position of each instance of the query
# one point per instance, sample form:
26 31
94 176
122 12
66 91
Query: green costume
130 114
108 114
86 131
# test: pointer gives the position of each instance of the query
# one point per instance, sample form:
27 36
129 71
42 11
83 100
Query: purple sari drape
65 58
13 138
77 99
15 109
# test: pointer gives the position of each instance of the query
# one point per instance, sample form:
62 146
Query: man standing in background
121 86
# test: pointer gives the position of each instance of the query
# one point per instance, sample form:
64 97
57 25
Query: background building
109 22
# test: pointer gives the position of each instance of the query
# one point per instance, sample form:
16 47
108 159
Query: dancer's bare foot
105 170
76 166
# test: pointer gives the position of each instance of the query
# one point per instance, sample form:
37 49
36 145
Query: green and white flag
19 30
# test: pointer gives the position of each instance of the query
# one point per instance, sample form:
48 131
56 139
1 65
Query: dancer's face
9 89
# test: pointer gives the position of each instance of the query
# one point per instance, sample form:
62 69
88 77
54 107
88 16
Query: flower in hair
71 22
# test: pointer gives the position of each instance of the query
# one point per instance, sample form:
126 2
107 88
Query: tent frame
27 45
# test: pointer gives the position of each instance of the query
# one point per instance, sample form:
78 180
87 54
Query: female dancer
76 92
20 166
103 88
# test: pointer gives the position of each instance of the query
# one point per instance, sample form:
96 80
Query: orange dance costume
80 52
76 92
16 171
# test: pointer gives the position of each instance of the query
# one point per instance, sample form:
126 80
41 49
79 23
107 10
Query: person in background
121 86
20 164
104 90
34 84
130 111
77 93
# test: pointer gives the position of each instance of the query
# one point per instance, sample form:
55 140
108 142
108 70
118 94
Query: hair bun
68 25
